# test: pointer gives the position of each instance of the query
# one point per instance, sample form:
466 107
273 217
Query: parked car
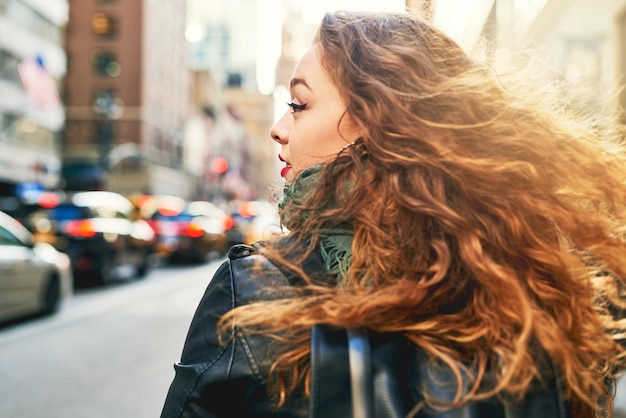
34 277
185 231
218 221
265 223
253 221
102 236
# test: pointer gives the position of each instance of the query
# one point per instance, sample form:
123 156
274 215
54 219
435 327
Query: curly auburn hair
479 209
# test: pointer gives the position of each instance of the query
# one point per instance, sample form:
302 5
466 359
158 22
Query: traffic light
219 165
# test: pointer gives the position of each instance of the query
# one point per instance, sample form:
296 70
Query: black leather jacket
230 379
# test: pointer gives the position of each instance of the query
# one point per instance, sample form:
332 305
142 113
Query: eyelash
296 107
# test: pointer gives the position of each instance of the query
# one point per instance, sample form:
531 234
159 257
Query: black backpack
361 374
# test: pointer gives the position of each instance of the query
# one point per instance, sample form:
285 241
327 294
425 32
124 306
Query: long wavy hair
487 219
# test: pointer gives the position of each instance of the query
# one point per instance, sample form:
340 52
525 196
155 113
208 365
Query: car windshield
68 212
181 217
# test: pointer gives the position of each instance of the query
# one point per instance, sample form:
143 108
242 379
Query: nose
279 131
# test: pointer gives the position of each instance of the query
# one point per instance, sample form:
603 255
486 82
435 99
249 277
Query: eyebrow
296 81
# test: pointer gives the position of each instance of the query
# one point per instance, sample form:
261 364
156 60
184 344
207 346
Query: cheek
315 143
303 154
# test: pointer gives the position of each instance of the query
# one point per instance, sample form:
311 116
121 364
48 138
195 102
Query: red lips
285 170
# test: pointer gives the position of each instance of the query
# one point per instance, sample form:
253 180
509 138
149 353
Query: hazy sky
452 16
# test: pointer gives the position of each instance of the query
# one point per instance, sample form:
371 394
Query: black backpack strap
361 382
330 374
341 373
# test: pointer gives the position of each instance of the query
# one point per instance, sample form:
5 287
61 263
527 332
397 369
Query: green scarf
335 243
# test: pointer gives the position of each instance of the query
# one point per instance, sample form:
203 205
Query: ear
349 129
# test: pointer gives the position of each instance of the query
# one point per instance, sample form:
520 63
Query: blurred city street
108 353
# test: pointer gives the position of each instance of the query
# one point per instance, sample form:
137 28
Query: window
7 126
7 238
8 68
105 64
104 25
106 102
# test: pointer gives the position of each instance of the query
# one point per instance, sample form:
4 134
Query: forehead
308 70
310 60
310 74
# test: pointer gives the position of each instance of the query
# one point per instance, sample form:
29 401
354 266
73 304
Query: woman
425 198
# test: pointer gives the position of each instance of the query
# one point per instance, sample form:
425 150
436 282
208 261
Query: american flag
39 84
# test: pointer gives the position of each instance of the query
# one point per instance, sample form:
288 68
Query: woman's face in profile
310 132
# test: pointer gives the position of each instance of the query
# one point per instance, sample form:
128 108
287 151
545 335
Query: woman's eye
296 107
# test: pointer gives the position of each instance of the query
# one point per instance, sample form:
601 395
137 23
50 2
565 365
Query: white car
35 278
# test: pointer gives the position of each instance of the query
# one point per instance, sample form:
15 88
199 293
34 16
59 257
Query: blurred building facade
126 94
32 63
584 42
228 129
